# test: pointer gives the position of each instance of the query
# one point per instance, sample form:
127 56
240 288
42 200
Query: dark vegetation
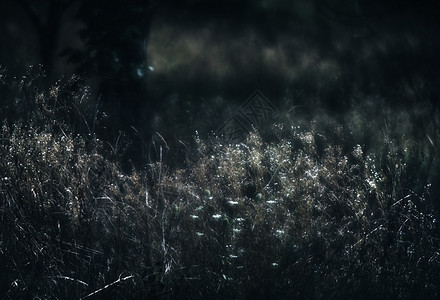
311 214
113 184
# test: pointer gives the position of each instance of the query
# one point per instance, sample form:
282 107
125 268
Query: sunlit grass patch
317 211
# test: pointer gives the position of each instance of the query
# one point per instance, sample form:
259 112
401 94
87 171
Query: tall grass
317 210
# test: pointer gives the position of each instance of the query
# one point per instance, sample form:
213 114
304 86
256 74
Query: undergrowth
310 214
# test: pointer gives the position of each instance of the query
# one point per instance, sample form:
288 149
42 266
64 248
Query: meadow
317 206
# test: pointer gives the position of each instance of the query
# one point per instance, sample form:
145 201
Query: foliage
288 220
64 206
306 213
115 40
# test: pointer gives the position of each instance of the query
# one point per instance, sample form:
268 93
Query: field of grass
320 207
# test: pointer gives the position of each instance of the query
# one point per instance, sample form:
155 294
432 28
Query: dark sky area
158 63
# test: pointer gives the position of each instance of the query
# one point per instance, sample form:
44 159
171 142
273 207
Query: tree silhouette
116 37
46 18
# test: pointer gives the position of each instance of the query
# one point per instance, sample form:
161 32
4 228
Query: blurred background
175 67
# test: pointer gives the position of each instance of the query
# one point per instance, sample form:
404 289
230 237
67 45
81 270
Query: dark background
87 174
180 66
